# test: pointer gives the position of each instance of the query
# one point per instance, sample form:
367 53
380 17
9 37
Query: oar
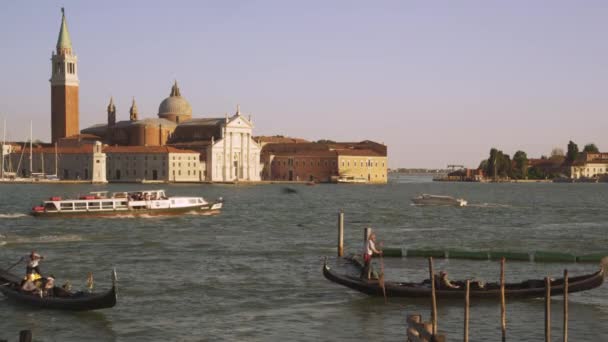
381 277
15 264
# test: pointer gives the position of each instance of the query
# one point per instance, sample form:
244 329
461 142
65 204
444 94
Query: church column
248 156
231 156
242 157
224 174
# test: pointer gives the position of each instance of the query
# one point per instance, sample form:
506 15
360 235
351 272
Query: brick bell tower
64 87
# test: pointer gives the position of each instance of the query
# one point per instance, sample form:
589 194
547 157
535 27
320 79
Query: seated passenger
444 282
49 286
28 285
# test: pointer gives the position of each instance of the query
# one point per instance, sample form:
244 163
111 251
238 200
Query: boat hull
209 209
527 289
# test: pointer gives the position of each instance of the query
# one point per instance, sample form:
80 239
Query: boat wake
12 216
40 239
490 205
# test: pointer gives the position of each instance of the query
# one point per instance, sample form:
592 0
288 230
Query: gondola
72 301
525 289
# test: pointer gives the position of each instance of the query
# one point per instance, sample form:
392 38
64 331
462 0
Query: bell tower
64 86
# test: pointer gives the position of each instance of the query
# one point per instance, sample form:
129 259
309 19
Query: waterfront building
153 163
365 161
589 165
64 86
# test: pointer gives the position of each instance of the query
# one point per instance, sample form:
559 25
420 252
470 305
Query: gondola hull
526 289
79 301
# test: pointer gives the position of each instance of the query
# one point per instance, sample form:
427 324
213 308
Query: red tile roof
145 149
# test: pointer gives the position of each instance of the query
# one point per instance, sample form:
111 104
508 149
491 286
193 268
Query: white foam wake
13 215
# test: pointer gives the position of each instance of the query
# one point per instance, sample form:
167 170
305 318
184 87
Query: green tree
591 148
492 164
521 164
572 153
498 165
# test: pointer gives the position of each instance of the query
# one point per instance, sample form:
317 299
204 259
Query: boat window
94 205
67 206
80 205
121 204
107 205
192 201
50 206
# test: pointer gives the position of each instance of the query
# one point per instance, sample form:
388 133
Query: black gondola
525 289
76 301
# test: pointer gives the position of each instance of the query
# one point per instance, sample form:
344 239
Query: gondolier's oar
381 277
15 264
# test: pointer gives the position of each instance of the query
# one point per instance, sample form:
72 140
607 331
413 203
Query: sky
439 82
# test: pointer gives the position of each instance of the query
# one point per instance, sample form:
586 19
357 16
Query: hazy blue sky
438 81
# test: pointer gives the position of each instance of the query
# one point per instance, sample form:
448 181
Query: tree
557 152
572 152
497 165
521 164
591 148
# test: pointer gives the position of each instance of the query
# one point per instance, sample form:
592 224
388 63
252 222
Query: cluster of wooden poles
503 306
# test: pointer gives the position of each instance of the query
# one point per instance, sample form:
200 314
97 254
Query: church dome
175 107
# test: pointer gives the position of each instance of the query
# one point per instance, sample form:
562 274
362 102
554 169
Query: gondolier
33 263
369 250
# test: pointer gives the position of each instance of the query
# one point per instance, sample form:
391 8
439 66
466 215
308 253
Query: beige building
153 163
362 162
363 165
590 165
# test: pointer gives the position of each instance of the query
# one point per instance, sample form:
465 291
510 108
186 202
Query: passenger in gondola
27 285
32 284
33 263
444 283
49 286
369 250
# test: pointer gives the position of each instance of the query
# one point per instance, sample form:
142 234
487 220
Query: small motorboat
426 199
62 300
534 288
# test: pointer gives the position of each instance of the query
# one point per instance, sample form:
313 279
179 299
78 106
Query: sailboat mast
3 148
56 160
31 143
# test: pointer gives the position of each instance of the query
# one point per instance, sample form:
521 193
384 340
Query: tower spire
133 111
111 113
64 43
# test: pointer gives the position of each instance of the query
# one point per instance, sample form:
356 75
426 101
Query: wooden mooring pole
466 311
341 233
547 309
503 304
565 305
433 296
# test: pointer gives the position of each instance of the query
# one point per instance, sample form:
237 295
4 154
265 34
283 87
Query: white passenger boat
348 179
149 202
426 199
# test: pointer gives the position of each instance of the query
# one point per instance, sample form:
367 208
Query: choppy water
253 273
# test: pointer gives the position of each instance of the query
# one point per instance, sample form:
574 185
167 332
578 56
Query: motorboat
426 199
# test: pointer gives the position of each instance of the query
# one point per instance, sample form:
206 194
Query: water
253 273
